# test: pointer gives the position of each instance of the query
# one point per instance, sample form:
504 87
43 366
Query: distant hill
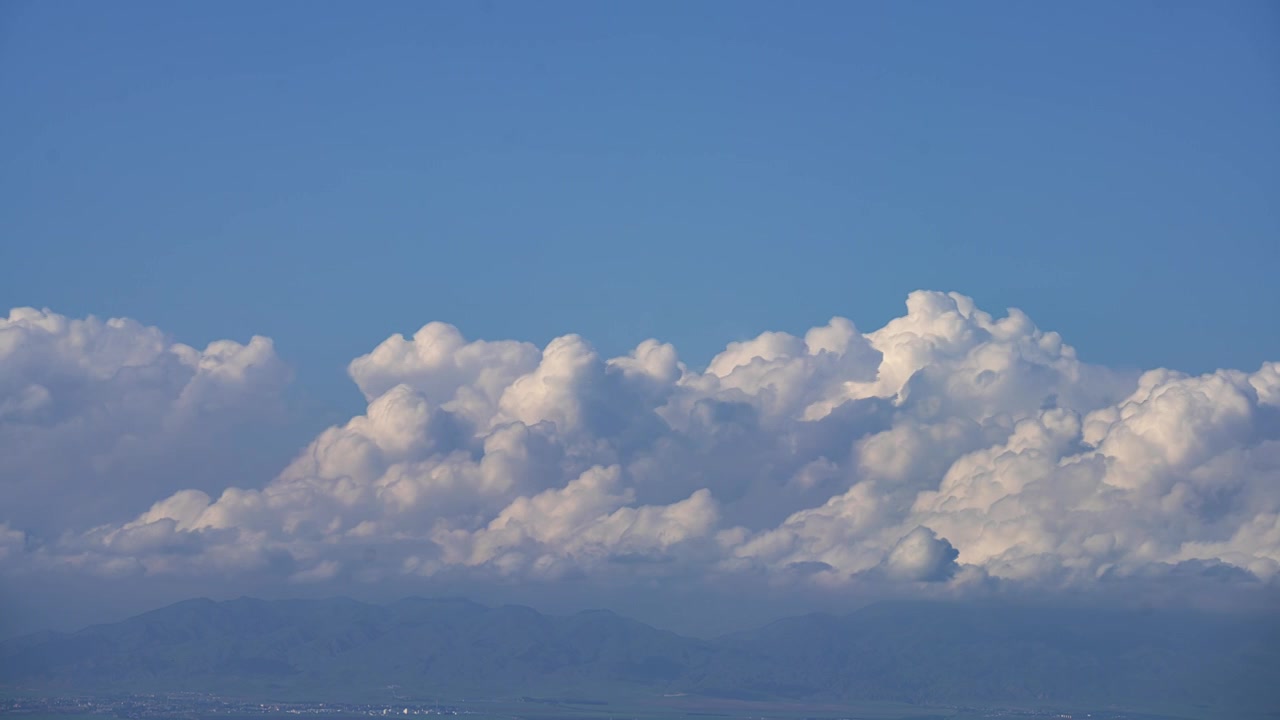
912 652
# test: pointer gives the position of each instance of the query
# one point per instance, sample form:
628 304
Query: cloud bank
99 417
948 450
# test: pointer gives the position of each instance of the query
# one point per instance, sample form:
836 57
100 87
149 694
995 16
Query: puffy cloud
1182 463
440 364
12 542
99 416
947 446
588 521
922 555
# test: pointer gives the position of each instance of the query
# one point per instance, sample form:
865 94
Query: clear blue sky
330 173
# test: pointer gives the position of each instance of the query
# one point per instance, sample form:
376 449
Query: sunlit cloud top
950 451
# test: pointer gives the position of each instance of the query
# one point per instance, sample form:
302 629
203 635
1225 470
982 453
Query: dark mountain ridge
432 648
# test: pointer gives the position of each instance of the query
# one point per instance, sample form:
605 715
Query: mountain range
452 648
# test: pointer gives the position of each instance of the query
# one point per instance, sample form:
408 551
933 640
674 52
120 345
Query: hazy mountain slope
934 653
336 646
905 651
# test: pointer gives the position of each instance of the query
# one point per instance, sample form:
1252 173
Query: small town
173 706
203 706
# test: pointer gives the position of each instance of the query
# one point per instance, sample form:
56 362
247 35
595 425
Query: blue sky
327 175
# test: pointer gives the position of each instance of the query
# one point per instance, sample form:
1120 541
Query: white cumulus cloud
97 416
948 446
